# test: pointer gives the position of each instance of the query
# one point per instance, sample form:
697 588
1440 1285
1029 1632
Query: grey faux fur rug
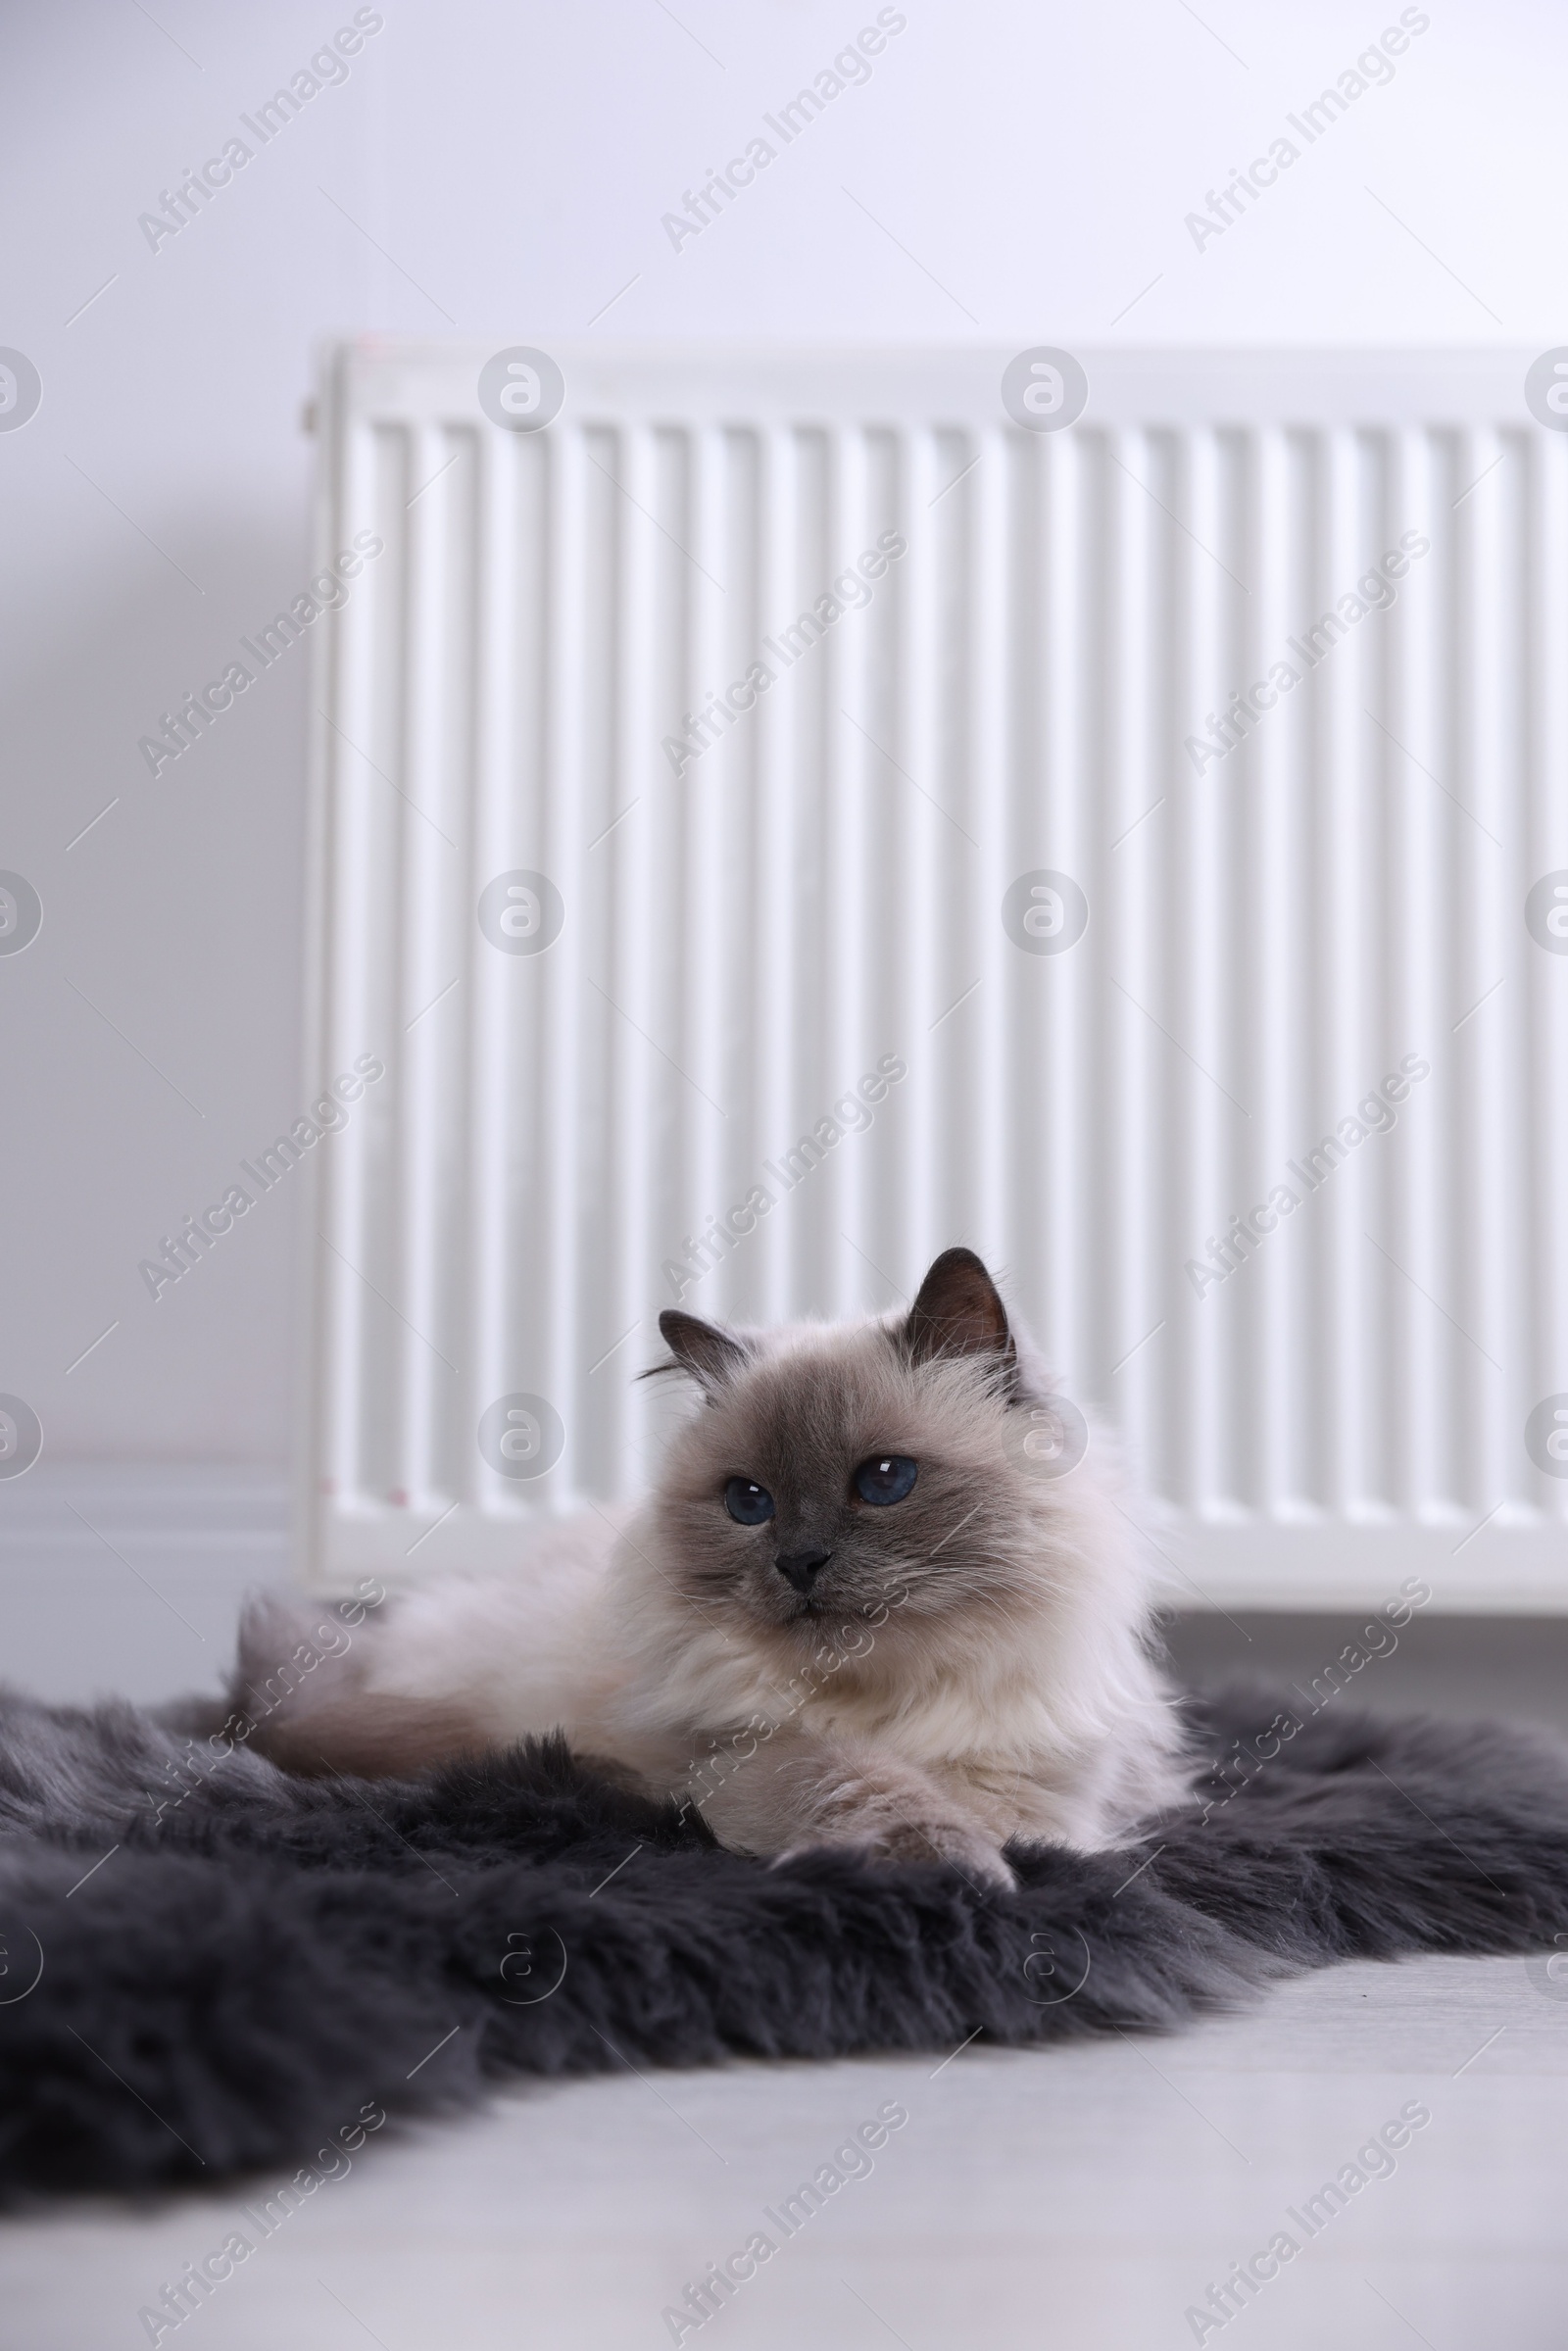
210 1968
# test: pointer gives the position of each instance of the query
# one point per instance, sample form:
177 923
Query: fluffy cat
855 1611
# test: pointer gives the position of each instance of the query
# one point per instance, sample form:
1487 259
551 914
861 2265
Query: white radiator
966 855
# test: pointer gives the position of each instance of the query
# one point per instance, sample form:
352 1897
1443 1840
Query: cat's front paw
962 1845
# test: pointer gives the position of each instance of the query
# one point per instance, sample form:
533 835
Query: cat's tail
301 1694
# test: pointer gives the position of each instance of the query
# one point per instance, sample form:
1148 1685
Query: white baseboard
127 1580
182 1503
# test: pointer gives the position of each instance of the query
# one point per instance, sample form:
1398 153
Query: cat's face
854 1475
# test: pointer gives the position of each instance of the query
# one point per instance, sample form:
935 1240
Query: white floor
1060 2201
1045 2202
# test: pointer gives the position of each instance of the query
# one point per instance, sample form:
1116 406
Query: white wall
1009 171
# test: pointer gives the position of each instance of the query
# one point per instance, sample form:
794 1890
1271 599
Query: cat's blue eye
749 1503
885 1477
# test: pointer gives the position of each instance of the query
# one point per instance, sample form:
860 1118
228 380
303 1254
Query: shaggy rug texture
207 1966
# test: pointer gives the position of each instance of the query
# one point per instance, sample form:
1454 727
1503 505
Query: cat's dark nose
802 1568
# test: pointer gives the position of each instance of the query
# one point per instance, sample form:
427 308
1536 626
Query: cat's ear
959 1312
713 1357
